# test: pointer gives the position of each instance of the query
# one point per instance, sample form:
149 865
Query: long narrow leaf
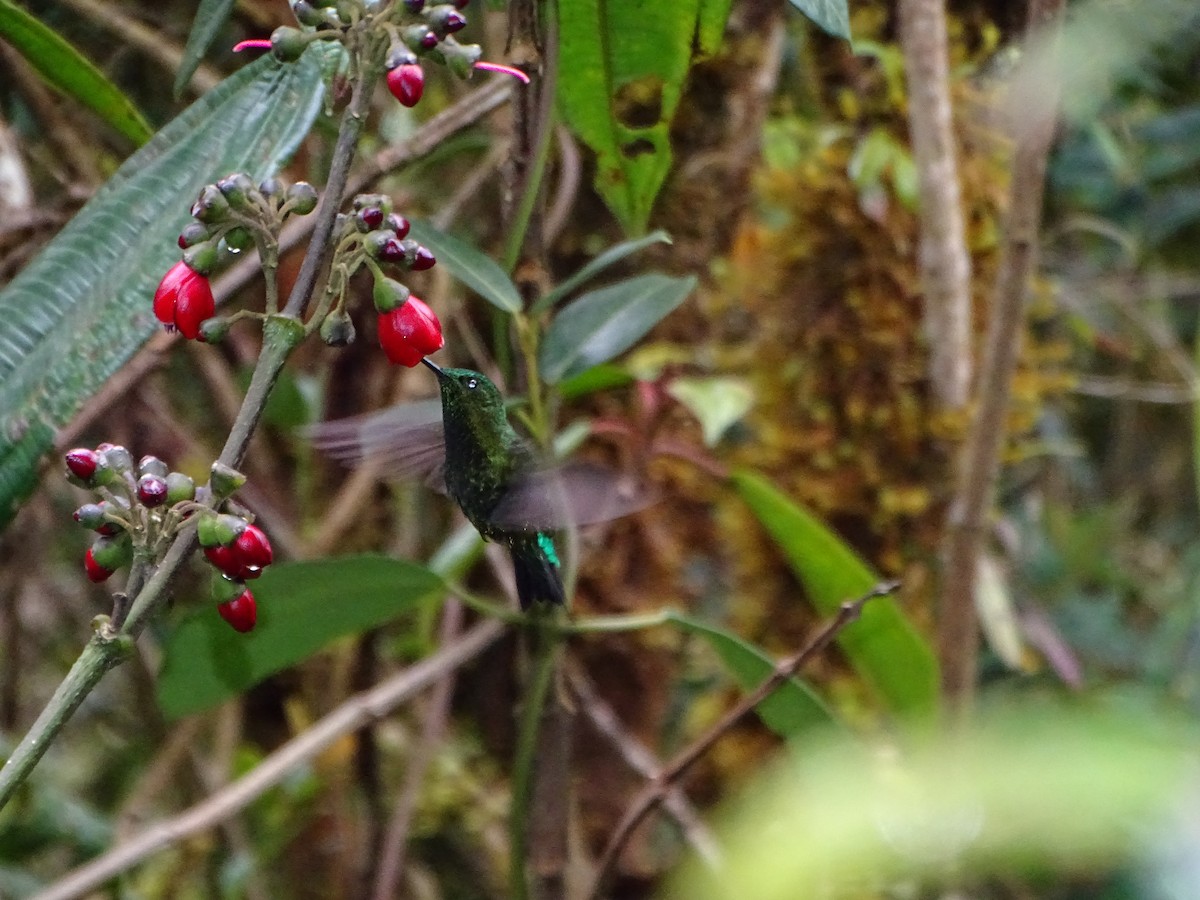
82 307
883 645
69 71
603 324
609 257
792 709
211 16
476 270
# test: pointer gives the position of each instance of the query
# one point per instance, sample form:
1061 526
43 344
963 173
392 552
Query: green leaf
602 324
626 64
302 607
609 257
211 16
717 403
831 16
597 378
883 646
792 709
476 270
67 70
82 307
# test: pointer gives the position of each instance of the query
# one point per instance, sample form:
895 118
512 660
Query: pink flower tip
503 70
251 45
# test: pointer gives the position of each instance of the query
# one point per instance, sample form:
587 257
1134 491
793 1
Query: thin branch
638 757
357 712
945 263
433 727
655 792
979 465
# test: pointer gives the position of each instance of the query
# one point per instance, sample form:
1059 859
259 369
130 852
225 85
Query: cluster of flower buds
239 550
134 504
419 31
142 508
375 236
230 216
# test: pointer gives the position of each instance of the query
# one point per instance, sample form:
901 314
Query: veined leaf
211 15
609 257
604 323
475 269
831 16
82 307
302 607
69 71
623 70
883 646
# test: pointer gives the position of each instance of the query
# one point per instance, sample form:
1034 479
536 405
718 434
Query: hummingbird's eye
472 383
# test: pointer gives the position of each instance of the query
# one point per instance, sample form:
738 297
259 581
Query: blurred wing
406 441
566 496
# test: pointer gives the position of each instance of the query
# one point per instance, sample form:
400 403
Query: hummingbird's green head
469 394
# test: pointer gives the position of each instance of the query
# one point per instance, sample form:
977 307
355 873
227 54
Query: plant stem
545 664
979 466
101 654
281 333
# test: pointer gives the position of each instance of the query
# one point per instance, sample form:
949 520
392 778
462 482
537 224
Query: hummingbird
466 447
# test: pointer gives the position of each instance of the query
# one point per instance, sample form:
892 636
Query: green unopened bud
211 207
193 233
113 552
219 529
389 294
202 258
214 330
239 190
287 44
223 588
303 198
307 14
179 488
152 465
224 480
271 188
459 58
337 329
238 239
90 516
419 38
118 459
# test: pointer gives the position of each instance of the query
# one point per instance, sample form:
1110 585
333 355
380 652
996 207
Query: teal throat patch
547 547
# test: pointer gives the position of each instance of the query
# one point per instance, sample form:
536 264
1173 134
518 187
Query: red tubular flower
183 300
410 332
407 83
241 612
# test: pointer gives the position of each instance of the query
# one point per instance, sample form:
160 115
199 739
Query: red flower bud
398 224
253 552
224 559
152 490
410 332
241 612
82 462
424 259
183 300
372 217
407 83
95 571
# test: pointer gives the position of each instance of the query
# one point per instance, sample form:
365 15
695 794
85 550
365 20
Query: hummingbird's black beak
437 370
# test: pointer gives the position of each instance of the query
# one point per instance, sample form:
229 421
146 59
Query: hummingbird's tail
535 564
